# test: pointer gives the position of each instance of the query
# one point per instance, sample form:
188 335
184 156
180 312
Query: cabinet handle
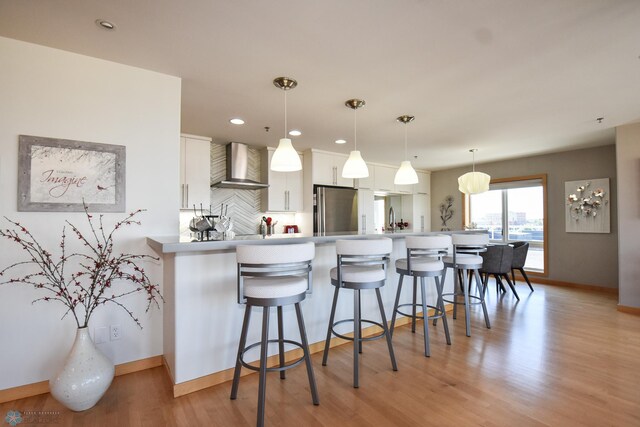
335 175
421 222
182 195
364 223
186 195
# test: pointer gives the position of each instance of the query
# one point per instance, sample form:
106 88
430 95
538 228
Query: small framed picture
57 175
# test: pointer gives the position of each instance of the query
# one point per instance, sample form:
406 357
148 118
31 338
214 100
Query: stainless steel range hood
237 169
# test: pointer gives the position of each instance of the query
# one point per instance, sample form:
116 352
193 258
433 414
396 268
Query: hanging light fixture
405 175
474 182
285 158
355 167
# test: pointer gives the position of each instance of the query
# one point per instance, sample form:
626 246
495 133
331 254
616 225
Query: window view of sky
525 214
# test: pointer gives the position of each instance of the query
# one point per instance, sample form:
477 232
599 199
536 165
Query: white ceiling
509 77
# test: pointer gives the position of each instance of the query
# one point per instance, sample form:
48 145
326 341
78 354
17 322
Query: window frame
545 220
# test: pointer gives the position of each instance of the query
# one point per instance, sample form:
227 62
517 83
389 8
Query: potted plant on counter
82 281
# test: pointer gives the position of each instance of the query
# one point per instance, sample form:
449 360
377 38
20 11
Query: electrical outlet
100 335
116 332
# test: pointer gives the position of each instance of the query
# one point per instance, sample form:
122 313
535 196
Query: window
514 209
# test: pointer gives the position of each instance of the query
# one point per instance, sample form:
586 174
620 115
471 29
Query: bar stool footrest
291 364
471 297
438 313
369 338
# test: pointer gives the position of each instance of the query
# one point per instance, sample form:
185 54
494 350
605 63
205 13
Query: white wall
53 93
628 163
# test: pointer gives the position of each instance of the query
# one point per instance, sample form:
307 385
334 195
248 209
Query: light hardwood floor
559 357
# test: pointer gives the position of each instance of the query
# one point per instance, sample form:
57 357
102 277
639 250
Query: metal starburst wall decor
585 202
588 209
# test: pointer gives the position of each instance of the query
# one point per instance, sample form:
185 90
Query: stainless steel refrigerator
335 210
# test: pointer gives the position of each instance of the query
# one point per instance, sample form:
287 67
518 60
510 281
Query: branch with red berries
100 276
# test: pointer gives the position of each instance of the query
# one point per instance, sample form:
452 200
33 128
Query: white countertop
179 244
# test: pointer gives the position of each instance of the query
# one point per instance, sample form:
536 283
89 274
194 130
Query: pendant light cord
285 113
355 129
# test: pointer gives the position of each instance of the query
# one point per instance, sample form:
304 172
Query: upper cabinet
195 171
383 178
424 183
327 169
284 193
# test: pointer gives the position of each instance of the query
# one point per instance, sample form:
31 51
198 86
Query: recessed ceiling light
295 132
105 24
340 141
237 121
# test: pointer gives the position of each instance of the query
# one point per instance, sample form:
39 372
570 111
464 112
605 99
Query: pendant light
474 182
355 167
285 158
405 175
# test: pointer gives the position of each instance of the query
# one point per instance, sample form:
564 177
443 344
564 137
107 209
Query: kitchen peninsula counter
202 318
179 244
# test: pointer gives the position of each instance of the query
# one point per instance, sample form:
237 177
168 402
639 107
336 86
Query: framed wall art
56 175
587 206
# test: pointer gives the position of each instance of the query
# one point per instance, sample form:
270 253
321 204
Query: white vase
85 376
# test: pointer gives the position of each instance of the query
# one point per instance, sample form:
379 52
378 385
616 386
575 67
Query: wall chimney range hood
237 169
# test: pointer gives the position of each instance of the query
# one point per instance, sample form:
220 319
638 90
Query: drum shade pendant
285 158
355 167
405 175
474 182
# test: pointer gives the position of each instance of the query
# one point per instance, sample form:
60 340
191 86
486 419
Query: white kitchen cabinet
195 171
365 211
383 178
327 169
284 193
416 210
424 183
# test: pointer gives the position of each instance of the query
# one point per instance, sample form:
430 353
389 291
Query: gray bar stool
423 260
361 265
465 257
273 276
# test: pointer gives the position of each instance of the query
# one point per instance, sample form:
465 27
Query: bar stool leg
243 342
413 311
425 315
440 290
455 291
356 336
331 319
395 305
307 357
280 341
262 385
386 330
360 321
484 306
467 311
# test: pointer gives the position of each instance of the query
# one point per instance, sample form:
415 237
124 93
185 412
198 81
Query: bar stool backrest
439 241
364 247
363 252
275 254
274 261
470 243
427 247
